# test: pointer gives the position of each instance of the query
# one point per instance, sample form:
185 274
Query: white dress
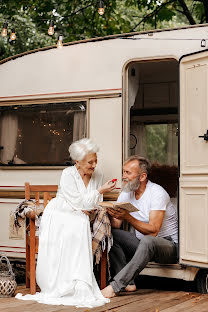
65 266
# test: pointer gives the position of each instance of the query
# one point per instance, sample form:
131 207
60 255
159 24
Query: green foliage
157 138
28 36
79 19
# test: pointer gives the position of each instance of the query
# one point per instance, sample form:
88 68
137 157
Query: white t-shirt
154 198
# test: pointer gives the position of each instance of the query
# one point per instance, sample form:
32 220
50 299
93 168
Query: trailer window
40 134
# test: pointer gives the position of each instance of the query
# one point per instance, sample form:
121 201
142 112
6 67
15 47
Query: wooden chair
36 192
45 192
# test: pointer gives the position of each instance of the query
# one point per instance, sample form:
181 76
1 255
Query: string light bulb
4 29
51 28
60 42
13 35
101 7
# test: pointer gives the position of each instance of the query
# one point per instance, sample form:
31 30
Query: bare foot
108 292
130 288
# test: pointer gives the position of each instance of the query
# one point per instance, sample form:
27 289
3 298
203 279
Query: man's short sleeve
159 198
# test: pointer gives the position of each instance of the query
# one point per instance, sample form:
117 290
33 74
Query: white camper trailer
143 93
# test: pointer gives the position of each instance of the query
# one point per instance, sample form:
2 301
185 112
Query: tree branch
186 12
152 14
205 2
179 11
81 9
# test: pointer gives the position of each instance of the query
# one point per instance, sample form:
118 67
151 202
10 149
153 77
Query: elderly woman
65 265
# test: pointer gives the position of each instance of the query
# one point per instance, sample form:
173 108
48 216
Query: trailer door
193 192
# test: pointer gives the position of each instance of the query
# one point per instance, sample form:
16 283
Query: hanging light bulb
101 7
4 29
13 36
51 28
60 42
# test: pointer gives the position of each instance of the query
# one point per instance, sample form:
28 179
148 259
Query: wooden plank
112 196
30 306
21 195
196 303
27 267
12 304
199 307
49 197
32 257
37 198
142 300
45 199
43 188
125 299
158 302
27 191
12 194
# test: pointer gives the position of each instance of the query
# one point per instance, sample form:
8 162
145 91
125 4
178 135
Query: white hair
79 149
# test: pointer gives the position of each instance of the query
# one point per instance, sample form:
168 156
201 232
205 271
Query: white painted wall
106 131
18 177
12 247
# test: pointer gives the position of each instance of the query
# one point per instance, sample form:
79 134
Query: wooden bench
45 193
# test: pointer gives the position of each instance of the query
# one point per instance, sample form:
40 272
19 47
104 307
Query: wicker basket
8 284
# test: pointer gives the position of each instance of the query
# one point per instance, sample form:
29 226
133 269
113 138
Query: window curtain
139 131
172 148
8 137
79 126
133 88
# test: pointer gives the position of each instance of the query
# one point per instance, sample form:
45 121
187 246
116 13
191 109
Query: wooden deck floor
143 300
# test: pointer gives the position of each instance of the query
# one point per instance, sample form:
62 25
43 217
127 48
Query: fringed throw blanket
22 209
101 235
17 219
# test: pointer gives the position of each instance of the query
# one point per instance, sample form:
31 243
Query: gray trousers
129 255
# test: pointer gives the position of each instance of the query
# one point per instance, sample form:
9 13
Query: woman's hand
87 212
107 187
90 213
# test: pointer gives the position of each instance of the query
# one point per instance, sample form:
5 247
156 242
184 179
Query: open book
124 205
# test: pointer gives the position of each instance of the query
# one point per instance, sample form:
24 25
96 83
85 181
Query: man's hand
120 214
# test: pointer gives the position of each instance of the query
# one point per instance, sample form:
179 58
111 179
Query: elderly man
155 224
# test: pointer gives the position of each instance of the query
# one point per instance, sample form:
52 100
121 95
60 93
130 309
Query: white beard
130 186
